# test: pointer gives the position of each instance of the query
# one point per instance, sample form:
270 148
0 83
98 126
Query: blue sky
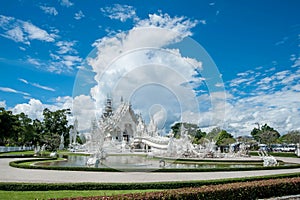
254 44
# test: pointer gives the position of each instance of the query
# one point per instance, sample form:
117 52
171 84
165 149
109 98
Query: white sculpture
53 154
269 161
62 142
152 128
141 128
73 132
298 150
37 150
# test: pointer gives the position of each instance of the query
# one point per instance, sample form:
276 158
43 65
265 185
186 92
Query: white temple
123 130
123 124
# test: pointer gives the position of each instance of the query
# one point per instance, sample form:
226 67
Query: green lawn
11 195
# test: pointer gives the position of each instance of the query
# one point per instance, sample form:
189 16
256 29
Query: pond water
133 161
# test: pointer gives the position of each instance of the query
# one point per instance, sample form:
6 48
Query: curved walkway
10 174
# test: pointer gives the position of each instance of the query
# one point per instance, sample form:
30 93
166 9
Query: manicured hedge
131 186
247 190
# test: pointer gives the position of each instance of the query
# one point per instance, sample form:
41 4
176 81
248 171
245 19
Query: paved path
10 174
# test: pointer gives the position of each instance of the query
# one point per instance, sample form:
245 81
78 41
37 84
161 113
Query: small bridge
157 143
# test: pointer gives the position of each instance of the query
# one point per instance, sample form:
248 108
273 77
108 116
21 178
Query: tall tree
24 129
213 133
38 131
55 125
292 137
192 129
8 126
224 138
199 135
265 134
256 134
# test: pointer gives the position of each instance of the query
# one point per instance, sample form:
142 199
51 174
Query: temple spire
108 107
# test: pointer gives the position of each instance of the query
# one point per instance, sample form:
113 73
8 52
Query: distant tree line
268 135
20 130
220 136
264 134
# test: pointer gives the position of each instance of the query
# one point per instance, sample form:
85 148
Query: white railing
9 149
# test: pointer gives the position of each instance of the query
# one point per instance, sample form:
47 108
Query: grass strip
16 195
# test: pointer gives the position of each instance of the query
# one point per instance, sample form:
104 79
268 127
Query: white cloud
23 80
64 102
34 108
22 31
35 33
49 10
3 104
66 3
43 87
203 21
139 66
181 25
84 110
37 85
119 12
15 34
279 110
296 62
34 61
71 61
281 42
66 47
64 60
293 57
79 15
10 90
272 98
219 85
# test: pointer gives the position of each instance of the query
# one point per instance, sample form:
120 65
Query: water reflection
133 161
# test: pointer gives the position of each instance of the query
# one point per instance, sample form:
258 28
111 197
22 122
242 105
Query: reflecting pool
138 161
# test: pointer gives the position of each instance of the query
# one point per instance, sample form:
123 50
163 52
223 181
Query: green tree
212 135
8 128
199 135
224 138
24 130
265 134
55 124
256 134
192 129
176 130
37 133
292 137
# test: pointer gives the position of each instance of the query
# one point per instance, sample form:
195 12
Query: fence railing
9 149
